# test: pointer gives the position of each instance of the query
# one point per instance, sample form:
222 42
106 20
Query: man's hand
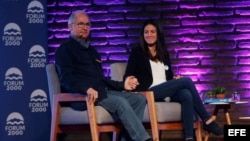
130 83
92 95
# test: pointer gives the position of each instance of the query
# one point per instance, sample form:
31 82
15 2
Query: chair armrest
152 113
68 97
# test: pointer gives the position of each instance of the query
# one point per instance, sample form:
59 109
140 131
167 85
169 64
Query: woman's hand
130 83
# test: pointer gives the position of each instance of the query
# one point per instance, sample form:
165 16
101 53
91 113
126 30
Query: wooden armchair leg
152 113
198 134
206 136
55 120
92 121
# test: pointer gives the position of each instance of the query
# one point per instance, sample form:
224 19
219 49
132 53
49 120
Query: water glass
236 96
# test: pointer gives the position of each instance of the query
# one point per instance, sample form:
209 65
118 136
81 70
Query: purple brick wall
209 40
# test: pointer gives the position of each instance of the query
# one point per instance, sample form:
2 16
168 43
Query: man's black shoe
213 128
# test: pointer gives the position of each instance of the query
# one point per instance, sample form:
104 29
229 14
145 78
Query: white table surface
224 103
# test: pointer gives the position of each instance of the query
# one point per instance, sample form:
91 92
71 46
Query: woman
150 64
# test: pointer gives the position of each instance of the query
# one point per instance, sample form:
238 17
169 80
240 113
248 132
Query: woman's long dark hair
160 42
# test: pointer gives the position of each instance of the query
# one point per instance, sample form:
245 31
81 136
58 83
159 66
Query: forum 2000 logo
35 12
15 124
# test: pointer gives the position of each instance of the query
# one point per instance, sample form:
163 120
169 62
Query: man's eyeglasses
81 24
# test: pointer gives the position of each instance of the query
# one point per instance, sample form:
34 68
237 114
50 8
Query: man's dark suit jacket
139 66
79 68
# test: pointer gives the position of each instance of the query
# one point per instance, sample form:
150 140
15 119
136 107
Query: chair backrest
117 70
53 81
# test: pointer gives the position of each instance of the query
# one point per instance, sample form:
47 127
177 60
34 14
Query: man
80 71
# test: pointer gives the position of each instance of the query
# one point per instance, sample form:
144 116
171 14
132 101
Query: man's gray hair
73 15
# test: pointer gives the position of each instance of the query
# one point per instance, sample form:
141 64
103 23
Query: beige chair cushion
70 116
165 112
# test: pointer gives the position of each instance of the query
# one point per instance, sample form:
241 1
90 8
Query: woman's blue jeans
184 92
130 109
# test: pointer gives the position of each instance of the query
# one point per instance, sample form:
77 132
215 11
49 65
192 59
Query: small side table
225 106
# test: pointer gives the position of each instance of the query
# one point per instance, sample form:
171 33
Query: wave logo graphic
12 29
37 57
38 96
35 12
13 79
12 35
38 101
15 124
15 119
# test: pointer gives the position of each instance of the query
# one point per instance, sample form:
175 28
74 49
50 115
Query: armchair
66 119
168 114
